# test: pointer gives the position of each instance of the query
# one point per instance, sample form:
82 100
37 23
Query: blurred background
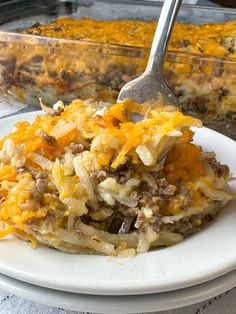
223 3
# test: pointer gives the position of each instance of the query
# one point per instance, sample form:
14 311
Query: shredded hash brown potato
85 179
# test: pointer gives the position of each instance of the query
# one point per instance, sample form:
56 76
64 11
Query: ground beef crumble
50 140
76 148
220 170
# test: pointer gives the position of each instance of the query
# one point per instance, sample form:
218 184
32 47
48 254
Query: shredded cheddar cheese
192 38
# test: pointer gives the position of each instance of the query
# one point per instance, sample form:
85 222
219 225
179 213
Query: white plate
120 304
202 257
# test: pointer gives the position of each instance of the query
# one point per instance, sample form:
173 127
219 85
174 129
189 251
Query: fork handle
161 38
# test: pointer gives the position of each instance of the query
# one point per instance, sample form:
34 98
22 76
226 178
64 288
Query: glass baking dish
33 67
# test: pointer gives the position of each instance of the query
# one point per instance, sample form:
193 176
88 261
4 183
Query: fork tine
151 83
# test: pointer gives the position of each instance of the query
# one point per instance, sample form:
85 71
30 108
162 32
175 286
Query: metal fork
151 84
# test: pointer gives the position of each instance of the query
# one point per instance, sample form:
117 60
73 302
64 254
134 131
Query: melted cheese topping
114 123
206 38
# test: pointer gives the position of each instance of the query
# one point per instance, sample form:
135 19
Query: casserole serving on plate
84 180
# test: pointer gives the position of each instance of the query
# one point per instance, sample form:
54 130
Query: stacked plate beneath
198 268
120 304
